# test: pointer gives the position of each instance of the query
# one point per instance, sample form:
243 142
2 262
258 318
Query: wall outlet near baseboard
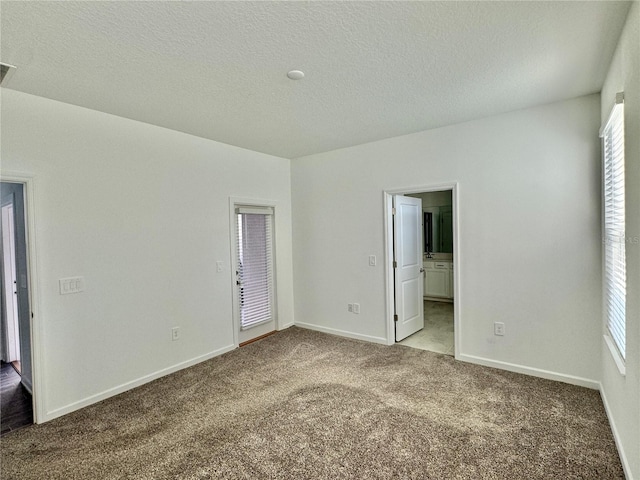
175 333
356 308
498 328
350 307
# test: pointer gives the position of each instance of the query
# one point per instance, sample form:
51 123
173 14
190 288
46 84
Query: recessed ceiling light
295 74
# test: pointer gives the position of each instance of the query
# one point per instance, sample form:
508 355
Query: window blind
615 288
255 265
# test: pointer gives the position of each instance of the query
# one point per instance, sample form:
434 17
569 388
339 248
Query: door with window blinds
614 225
255 299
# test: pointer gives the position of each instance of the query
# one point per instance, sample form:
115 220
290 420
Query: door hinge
395 318
393 210
395 264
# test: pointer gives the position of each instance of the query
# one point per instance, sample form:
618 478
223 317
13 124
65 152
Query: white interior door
11 334
408 271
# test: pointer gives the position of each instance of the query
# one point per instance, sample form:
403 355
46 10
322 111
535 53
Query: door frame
388 249
235 202
37 372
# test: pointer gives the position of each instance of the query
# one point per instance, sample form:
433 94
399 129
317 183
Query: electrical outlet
356 308
175 333
350 307
498 328
219 266
372 260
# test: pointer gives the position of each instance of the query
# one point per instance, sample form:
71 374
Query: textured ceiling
373 69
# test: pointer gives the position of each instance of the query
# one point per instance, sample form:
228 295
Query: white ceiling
373 69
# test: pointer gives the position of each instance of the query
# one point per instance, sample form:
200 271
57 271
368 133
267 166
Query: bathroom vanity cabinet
438 282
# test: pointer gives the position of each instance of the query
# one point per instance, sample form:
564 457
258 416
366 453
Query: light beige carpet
306 405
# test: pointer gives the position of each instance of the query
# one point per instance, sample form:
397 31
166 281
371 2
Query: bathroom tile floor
437 334
15 401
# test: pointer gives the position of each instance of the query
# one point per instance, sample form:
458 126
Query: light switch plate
71 285
372 260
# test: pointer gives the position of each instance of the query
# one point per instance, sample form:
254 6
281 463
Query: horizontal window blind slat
255 210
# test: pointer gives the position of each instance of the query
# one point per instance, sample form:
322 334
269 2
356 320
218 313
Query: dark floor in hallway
15 401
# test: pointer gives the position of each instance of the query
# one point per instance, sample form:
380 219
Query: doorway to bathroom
435 223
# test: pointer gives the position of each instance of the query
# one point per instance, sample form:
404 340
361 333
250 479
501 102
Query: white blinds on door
255 265
614 225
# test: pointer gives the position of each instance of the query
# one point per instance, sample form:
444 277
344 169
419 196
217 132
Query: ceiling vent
5 72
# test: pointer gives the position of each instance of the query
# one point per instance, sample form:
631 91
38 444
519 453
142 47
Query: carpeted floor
306 405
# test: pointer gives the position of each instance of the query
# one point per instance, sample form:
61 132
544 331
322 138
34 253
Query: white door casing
408 271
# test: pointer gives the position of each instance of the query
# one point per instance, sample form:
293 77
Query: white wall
142 213
434 199
529 205
622 393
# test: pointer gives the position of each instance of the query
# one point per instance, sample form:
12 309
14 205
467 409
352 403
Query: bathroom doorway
440 267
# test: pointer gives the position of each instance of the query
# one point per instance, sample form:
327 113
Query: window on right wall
615 279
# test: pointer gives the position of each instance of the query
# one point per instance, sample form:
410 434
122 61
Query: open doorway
439 265
16 378
437 232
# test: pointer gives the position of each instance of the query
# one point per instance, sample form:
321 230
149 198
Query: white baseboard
342 333
284 327
58 412
534 372
614 431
